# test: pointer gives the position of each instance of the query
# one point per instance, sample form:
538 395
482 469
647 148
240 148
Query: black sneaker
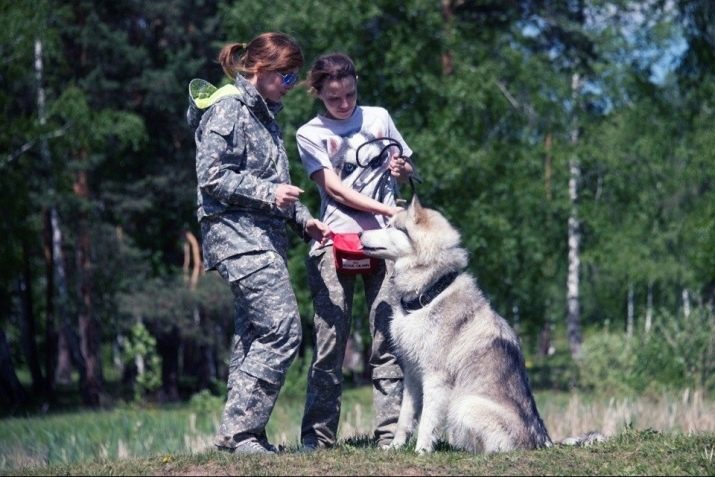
309 446
263 439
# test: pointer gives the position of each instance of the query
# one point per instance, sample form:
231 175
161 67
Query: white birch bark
629 311
573 312
58 265
58 366
649 309
686 302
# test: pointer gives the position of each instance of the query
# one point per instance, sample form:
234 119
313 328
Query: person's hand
388 210
317 230
392 211
399 168
286 195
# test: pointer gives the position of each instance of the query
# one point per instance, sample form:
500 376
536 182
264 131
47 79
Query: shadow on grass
364 441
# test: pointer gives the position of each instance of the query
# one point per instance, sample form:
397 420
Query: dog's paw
393 445
423 450
398 441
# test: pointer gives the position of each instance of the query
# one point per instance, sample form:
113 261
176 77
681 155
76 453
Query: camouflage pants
332 301
266 340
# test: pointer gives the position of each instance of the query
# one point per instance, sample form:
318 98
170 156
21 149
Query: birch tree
573 305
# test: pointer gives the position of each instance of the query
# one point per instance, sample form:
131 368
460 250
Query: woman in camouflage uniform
245 200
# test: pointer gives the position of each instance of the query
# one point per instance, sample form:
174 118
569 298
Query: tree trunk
52 240
206 355
447 16
573 312
89 332
63 369
119 338
70 355
11 391
630 311
649 309
64 360
27 325
51 335
192 260
168 346
545 346
686 302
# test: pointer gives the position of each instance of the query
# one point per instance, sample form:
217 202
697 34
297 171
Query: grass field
670 434
628 453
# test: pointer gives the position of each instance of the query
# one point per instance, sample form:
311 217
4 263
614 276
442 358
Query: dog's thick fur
457 352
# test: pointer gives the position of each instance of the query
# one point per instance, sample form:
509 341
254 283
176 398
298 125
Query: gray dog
464 370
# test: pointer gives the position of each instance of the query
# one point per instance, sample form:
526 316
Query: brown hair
267 52
328 67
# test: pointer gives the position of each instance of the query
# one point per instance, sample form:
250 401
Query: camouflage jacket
240 161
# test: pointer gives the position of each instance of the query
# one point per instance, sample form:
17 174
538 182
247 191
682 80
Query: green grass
140 431
630 453
81 436
177 440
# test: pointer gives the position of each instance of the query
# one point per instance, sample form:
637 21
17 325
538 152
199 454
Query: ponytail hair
270 51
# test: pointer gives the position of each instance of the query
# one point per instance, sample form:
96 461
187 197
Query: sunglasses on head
288 79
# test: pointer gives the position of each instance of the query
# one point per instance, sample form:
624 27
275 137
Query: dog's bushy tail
583 440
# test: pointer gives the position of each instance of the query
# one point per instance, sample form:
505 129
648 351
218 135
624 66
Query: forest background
571 142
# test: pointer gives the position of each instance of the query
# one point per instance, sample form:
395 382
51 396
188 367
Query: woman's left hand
317 230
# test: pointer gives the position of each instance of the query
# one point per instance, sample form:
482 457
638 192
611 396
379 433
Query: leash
376 160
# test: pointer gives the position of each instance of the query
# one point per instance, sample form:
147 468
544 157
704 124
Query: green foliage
203 402
140 346
296 378
607 359
483 96
689 341
214 298
678 353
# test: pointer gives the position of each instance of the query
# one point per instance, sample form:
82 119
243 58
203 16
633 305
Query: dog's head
418 233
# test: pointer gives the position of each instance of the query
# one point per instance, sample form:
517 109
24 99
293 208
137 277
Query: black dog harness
430 294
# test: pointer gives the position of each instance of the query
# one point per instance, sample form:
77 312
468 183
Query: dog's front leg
434 409
409 409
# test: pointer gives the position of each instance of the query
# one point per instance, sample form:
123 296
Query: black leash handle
374 161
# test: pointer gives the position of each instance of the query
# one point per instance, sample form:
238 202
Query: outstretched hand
286 195
317 230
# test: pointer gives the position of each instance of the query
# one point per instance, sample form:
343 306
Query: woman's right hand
286 195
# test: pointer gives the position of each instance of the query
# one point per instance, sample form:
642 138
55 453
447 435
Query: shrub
678 352
606 362
140 350
203 402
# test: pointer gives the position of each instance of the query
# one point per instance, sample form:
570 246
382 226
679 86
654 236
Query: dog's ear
333 144
416 210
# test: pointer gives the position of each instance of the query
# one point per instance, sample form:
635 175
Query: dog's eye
403 230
